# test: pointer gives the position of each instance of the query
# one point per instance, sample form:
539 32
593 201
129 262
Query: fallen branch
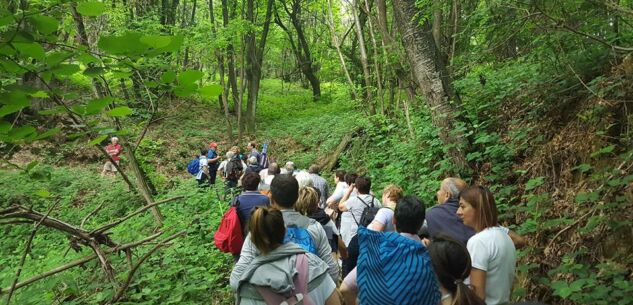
130 275
82 261
27 249
139 211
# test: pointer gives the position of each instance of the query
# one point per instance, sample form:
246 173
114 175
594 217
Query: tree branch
130 275
139 211
27 249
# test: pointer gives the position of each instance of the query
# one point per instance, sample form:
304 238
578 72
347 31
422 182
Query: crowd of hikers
295 242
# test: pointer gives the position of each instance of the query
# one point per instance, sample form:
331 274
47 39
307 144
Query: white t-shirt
385 217
354 212
493 251
202 163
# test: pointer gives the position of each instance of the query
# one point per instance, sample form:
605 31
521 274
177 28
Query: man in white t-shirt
352 208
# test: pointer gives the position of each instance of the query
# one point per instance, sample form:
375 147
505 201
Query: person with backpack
213 160
353 208
394 268
234 169
284 273
306 232
203 168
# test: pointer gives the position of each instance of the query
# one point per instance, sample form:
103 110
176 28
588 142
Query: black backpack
234 169
369 212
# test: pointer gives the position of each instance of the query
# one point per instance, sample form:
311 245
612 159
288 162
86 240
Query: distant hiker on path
319 183
212 159
253 151
114 150
203 168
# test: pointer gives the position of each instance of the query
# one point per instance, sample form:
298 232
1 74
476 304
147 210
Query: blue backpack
301 237
194 166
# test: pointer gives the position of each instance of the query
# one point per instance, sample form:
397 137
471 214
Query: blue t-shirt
248 200
212 155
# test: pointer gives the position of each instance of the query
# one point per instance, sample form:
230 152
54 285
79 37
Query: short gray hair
304 179
454 186
252 160
230 154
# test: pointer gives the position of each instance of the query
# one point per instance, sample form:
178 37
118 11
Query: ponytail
463 295
267 229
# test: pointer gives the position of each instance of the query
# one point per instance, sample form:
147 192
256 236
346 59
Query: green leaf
87 59
96 105
91 8
583 168
189 77
30 49
210 91
602 151
9 109
43 193
534 183
94 71
126 44
55 58
44 24
184 90
121 111
40 94
54 110
168 77
65 69
47 134
21 132
156 41
4 127
98 140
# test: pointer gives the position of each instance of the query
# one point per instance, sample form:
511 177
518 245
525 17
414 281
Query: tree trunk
230 54
363 57
302 48
377 68
254 59
337 45
223 97
431 76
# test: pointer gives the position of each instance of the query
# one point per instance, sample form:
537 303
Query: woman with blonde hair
383 221
491 249
284 272
308 205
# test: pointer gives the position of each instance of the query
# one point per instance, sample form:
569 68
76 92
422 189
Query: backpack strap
365 203
299 294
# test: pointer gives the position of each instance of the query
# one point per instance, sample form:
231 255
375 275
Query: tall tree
255 58
431 75
299 46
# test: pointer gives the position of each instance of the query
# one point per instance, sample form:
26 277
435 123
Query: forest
529 98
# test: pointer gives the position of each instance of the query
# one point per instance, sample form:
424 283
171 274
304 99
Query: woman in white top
492 252
383 221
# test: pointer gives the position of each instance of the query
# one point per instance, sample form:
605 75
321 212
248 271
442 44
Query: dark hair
204 151
363 184
340 174
314 169
482 201
267 228
350 178
451 263
409 214
273 169
250 181
284 190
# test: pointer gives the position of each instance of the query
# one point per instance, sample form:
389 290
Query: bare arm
376 226
518 240
349 296
478 281
333 299
348 192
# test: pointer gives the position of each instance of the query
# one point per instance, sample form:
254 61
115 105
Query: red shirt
114 150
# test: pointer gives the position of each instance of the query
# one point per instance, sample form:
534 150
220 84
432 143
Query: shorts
109 167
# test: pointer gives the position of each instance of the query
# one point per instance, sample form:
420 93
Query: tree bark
363 57
230 55
301 48
337 45
254 60
431 76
